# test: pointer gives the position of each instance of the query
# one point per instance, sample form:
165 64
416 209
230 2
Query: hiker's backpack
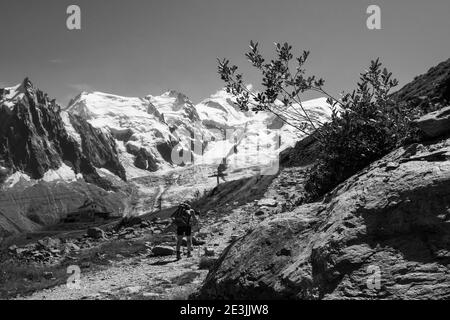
183 218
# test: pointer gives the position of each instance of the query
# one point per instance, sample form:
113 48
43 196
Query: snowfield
210 131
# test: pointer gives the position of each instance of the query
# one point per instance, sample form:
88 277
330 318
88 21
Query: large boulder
435 124
383 234
96 233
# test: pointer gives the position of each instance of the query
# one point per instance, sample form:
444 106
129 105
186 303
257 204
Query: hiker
184 219
221 170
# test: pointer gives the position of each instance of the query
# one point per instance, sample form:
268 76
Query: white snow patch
16 178
13 94
70 129
63 173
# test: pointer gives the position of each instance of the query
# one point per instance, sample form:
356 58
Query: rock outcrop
98 147
382 234
434 85
435 124
429 89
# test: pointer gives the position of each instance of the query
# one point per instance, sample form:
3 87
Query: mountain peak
10 95
173 93
180 97
27 84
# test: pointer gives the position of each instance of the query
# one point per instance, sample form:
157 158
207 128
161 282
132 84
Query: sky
141 47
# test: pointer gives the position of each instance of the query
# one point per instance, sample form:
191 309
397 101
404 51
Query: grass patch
22 278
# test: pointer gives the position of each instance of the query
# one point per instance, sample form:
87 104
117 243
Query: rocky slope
391 219
41 204
382 234
428 89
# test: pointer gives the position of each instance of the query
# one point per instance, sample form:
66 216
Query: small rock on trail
162 251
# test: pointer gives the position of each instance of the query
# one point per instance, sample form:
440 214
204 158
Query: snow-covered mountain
149 134
254 139
143 138
152 131
51 162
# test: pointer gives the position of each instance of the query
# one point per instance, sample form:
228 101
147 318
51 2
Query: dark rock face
143 158
303 153
32 135
383 234
33 140
121 135
99 148
165 150
435 124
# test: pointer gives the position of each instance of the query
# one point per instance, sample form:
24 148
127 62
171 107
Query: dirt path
144 277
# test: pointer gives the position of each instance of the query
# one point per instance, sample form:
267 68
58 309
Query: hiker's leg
179 242
189 240
189 243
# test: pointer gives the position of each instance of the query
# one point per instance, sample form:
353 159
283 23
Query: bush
366 124
369 125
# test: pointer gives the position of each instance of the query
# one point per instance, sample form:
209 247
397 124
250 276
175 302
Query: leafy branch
282 83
